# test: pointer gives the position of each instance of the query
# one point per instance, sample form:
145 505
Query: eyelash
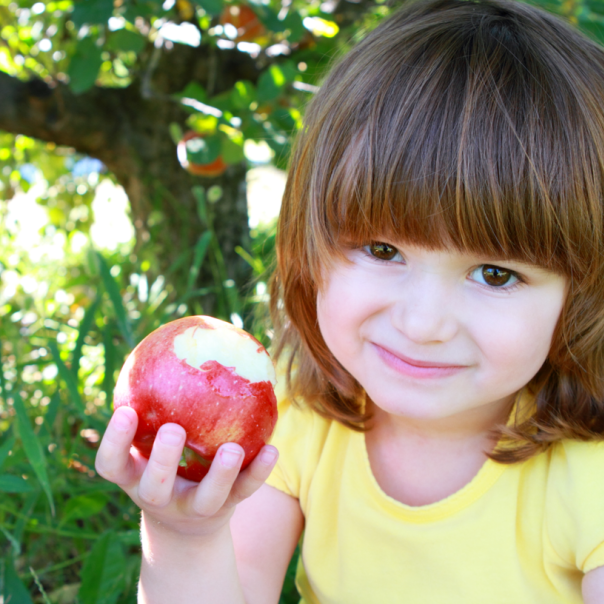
504 288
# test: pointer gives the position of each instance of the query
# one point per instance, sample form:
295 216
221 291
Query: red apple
208 376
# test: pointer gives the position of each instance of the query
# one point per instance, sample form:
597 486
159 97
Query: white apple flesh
208 376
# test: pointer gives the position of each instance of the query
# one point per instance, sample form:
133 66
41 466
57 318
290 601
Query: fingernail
169 437
267 456
229 457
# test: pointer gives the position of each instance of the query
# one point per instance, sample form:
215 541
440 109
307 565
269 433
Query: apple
208 376
244 19
211 169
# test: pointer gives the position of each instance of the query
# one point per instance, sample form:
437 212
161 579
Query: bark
128 130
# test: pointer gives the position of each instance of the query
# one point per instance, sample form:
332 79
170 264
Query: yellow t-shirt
519 534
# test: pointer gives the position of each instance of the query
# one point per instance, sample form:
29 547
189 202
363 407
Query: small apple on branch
208 376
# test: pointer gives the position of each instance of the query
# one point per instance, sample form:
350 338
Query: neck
474 425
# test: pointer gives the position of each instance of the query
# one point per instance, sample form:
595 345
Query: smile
414 368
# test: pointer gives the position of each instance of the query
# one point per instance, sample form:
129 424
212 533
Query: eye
495 276
382 251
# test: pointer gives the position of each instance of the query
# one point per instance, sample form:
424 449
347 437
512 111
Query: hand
171 502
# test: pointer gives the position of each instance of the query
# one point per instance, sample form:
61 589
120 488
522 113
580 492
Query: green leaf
212 7
83 506
11 587
91 12
84 65
231 152
293 22
203 150
593 29
32 446
243 94
269 18
124 40
175 132
193 90
103 573
270 83
595 5
14 484
113 290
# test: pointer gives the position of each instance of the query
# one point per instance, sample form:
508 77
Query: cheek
518 346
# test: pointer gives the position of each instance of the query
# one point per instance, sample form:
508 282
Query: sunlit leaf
231 152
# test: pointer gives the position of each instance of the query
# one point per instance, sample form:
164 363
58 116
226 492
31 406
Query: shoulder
300 436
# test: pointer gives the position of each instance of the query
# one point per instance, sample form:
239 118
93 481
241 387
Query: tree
123 80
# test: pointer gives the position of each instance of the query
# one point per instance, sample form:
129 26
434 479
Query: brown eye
496 276
383 251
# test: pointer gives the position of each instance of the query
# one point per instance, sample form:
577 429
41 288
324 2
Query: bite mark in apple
198 346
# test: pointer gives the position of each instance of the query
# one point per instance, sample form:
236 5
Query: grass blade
110 359
5 447
14 484
11 587
69 378
85 326
201 247
33 448
113 290
103 572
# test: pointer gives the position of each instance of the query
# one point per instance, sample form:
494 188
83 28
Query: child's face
435 334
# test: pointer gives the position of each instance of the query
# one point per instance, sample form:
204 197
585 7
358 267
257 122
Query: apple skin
212 402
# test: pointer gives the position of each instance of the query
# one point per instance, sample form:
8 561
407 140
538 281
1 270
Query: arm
266 529
188 554
593 586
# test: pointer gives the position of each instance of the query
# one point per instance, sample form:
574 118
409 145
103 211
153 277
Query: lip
413 367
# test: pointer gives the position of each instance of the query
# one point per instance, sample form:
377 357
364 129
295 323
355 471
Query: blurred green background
143 145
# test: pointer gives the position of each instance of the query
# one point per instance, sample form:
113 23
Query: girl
439 324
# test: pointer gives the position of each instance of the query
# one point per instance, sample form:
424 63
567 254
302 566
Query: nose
424 309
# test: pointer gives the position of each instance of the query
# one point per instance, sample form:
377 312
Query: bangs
464 139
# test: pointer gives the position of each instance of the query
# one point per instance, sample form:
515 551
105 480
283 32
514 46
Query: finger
157 481
254 476
211 494
113 460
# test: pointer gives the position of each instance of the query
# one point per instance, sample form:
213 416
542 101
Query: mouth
415 367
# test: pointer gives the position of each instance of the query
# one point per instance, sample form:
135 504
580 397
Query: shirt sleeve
293 436
575 504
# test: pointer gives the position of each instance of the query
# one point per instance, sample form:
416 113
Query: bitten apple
208 376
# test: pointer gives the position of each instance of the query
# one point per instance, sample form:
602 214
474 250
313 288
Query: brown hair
477 125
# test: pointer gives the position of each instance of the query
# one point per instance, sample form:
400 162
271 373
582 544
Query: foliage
69 314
